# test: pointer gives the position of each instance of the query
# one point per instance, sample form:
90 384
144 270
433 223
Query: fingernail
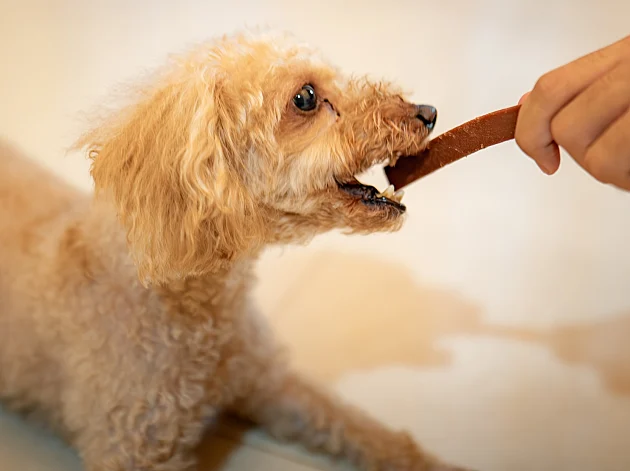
550 165
546 169
549 162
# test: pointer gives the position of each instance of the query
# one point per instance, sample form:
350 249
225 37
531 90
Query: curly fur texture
126 321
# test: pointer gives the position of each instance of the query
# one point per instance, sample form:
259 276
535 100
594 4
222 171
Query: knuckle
548 85
618 78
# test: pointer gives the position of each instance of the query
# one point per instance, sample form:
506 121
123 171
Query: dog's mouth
389 199
371 197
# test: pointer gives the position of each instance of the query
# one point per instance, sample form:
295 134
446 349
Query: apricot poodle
126 320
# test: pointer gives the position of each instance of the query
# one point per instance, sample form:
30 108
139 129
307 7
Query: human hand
583 107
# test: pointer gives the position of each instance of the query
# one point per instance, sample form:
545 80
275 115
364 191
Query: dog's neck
217 285
217 291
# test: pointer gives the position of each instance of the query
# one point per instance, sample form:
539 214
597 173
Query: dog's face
331 129
312 131
248 141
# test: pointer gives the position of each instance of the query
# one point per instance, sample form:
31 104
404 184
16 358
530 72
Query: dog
126 318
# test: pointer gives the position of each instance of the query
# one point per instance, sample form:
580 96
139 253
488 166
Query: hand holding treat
583 107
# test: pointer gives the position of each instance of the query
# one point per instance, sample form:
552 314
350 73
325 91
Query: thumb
523 98
548 159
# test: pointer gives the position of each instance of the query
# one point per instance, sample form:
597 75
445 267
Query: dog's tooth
399 195
389 192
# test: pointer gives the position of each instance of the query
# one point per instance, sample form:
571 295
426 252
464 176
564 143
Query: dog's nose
427 114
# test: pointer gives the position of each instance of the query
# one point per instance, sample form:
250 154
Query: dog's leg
290 408
143 439
140 454
137 453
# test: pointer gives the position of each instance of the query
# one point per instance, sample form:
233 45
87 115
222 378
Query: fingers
552 92
608 158
583 120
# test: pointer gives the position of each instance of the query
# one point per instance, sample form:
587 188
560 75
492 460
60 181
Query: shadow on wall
359 313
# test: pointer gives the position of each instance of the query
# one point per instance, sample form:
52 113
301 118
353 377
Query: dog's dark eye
305 99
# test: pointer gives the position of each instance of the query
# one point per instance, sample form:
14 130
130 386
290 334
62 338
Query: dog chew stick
459 142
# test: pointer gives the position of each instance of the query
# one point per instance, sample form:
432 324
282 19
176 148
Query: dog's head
247 141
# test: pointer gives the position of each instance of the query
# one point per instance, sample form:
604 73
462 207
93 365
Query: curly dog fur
125 318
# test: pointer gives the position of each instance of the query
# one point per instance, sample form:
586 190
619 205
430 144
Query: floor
494 326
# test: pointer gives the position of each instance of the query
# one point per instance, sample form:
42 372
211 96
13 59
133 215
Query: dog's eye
305 99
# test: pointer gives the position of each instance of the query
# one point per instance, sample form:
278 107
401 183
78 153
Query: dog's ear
174 166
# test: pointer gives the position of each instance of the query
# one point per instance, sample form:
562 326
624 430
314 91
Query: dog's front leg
144 438
290 408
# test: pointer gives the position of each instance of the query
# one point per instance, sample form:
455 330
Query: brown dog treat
468 138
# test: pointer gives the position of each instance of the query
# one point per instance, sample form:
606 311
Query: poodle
126 318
